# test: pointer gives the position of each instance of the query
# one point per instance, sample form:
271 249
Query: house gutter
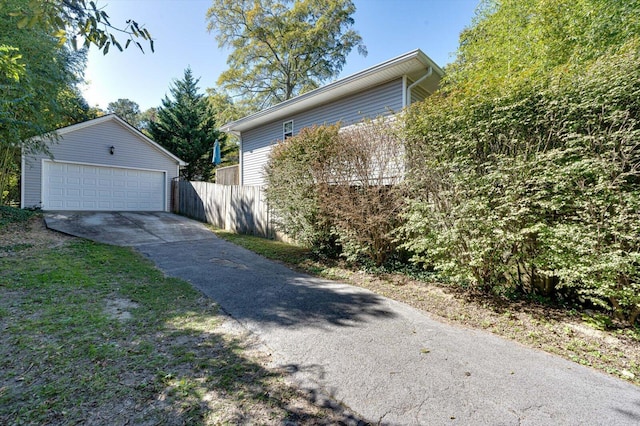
411 62
407 100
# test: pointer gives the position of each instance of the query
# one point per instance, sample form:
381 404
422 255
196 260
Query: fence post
173 205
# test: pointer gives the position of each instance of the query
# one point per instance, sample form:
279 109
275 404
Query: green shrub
332 188
292 187
12 215
536 191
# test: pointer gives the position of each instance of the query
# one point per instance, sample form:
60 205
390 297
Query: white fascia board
88 123
397 67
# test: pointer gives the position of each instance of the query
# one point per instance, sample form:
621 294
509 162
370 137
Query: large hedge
536 190
523 170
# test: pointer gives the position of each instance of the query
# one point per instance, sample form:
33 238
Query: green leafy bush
292 187
537 190
334 188
11 215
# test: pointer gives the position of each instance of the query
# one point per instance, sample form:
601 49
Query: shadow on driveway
255 290
310 301
245 284
383 359
387 361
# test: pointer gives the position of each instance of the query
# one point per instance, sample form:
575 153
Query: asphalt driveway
384 360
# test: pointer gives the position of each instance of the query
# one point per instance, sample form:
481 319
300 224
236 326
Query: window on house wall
287 129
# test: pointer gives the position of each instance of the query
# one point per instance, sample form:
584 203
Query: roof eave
328 92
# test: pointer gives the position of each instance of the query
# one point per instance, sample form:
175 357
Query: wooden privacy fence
229 175
241 209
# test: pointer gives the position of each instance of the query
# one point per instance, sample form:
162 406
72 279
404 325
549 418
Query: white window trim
285 134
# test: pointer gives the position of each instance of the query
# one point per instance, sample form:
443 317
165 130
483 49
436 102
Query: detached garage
103 164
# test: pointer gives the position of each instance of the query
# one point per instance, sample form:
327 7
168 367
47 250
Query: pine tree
186 126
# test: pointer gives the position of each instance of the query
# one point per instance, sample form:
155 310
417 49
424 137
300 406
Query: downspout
406 98
415 83
23 168
404 91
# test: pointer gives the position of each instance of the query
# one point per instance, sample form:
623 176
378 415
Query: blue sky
388 27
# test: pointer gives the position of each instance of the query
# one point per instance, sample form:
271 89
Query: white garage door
70 186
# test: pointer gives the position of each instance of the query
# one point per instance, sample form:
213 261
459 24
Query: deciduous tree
73 20
146 118
126 109
515 43
38 89
282 48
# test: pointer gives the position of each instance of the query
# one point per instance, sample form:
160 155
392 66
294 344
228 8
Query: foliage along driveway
386 361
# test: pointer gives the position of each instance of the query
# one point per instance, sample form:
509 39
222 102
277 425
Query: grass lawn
94 334
584 337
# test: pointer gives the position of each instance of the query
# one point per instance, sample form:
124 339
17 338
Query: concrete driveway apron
388 362
127 228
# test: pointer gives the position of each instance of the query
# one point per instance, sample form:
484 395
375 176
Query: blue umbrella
216 153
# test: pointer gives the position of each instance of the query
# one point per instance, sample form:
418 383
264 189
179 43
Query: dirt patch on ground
120 309
22 238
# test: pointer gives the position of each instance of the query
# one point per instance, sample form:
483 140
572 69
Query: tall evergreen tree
186 126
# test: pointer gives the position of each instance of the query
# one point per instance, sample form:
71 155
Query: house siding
385 99
90 145
418 94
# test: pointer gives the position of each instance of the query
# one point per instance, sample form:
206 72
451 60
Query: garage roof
412 64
